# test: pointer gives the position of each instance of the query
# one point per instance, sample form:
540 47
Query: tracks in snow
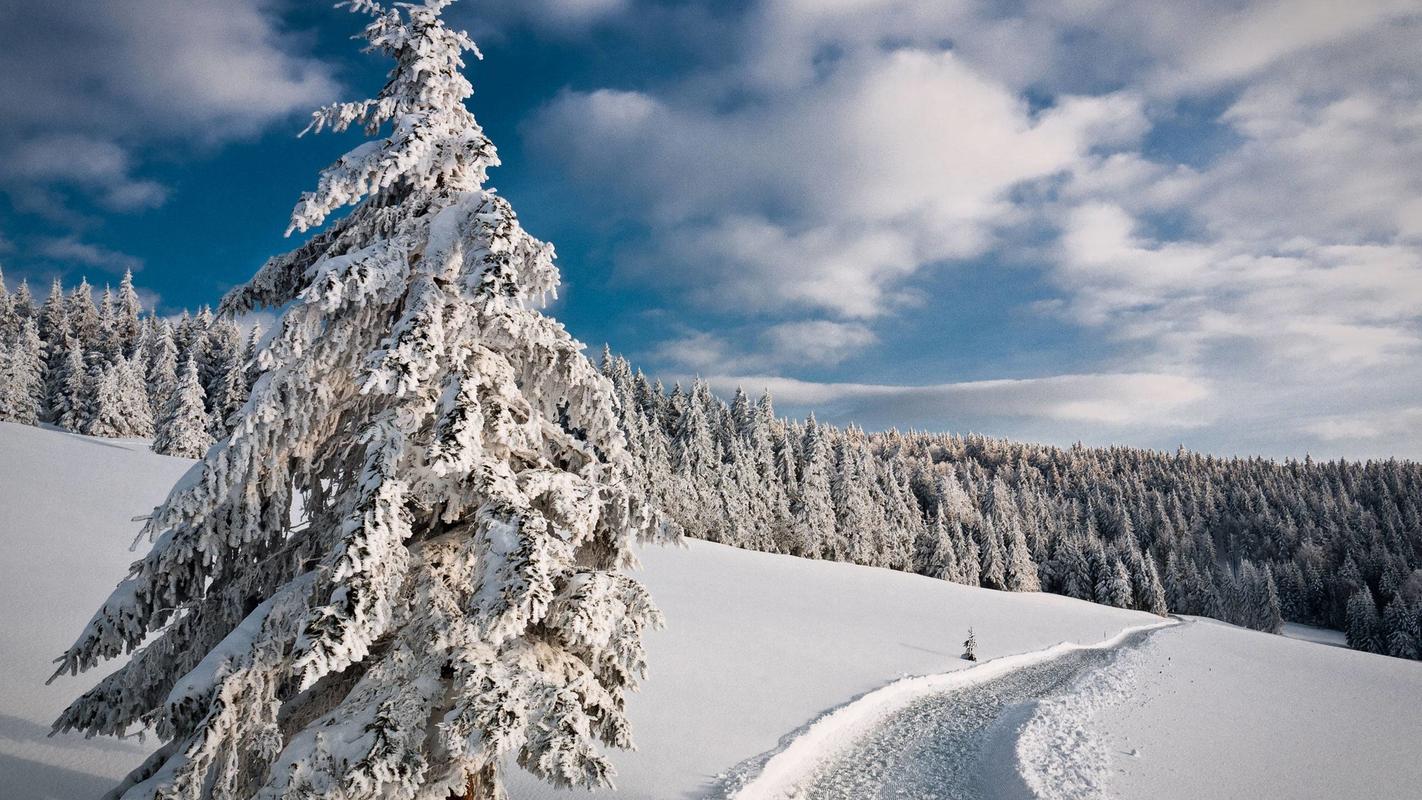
951 735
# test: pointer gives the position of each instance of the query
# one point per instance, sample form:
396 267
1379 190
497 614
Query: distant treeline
108 369
1249 541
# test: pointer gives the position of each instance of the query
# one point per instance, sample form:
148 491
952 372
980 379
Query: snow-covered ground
756 645
1219 711
66 503
757 648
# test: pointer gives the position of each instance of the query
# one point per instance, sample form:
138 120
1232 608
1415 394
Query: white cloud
210 68
800 343
816 342
93 164
89 86
1390 423
829 197
1273 255
70 250
1108 400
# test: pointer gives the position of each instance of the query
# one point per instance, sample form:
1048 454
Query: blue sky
1139 223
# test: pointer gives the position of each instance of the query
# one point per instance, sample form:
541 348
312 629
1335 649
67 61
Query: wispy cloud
71 251
1109 400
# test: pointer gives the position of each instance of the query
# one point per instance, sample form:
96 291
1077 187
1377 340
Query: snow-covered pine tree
22 305
162 368
83 316
9 323
22 375
231 394
249 353
1114 586
128 311
1363 622
993 567
452 594
220 357
970 646
695 466
73 409
1021 572
1400 624
53 331
121 409
108 346
1269 618
969 563
183 429
1153 598
814 507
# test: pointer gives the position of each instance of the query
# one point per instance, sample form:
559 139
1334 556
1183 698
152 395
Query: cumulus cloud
828 197
213 68
90 85
1223 192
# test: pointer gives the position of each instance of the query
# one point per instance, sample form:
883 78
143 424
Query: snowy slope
66 503
756 646
1271 716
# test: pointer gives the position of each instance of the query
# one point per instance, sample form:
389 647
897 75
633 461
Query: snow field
1213 710
755 647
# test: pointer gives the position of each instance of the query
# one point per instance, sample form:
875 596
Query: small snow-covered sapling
970 646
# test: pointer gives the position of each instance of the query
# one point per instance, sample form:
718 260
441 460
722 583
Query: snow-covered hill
756 647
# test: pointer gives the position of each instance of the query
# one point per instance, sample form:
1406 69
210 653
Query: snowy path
914 740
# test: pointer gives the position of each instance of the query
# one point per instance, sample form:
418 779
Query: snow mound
1058 754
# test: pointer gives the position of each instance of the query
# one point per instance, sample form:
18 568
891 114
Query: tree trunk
483 785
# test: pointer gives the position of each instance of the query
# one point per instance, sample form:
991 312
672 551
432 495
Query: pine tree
970 646
22 376
162 369
221 356
83 317
1114 586
1270 618
128 325
9 321
993 567
231 394
121 409
1153 598
969 564
108 345
1400 624
1021 571
814 508
1363 622
453 595
22 306
696 464
73 409
183 428
53 328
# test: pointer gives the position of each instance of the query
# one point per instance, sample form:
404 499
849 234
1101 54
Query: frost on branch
402 566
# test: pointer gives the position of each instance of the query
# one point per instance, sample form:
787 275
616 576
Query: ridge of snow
796 760
1059 754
